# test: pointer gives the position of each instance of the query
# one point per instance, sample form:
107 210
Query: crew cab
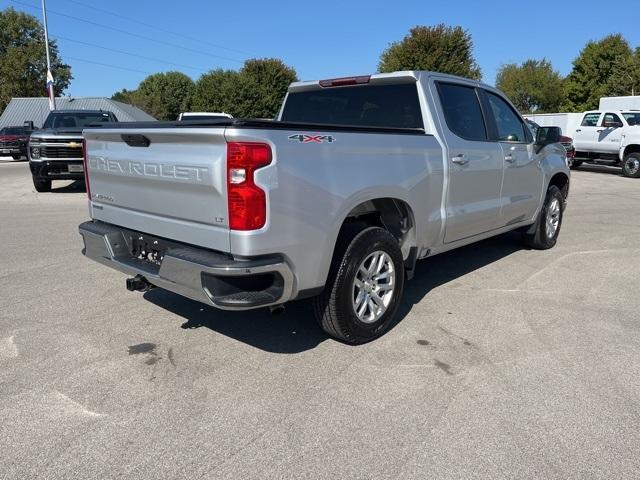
55 152
609 137
13 141
337 199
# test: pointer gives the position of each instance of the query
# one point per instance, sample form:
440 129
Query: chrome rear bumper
206 276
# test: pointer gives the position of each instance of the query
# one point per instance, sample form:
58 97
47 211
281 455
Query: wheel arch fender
389 208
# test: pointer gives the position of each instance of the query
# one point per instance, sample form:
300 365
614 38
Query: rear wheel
544 234
16 157
631 165
41 185
364 287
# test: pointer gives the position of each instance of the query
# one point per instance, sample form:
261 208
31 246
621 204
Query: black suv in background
13 141
55 152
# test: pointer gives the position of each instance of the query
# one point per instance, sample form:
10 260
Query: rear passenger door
522 180
474 163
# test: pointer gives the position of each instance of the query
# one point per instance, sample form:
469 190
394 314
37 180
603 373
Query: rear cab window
462 111
590 119
387 106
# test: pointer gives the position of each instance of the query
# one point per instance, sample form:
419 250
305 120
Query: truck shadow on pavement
296 331
74 187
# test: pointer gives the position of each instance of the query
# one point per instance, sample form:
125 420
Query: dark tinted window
13 131
362 105
462 111
77 119
508 122
611 118
590 120
632 118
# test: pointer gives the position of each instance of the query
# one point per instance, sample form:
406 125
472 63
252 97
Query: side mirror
547 136
28 125
611 124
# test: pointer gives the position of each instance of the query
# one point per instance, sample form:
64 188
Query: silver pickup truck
337 199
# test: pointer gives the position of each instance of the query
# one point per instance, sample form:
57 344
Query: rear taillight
247 202
85 165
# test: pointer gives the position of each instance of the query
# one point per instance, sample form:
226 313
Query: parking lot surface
507 362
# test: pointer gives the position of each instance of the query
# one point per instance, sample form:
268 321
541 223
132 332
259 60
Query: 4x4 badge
304 138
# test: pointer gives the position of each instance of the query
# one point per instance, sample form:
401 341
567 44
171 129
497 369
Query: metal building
36 109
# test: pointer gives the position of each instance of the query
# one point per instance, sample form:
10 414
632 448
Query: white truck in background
605 136
609 137
631 102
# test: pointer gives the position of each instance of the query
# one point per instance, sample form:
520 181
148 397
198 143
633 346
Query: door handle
579 130
509 159
599 131
460 159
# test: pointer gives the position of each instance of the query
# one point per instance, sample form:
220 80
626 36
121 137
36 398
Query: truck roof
382 79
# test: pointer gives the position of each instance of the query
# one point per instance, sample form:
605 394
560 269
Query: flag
50 94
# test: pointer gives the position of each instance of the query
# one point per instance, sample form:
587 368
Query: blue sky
319 39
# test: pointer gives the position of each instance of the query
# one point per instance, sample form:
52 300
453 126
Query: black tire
41 185
575 164
631 165
537 237
16 157
334 307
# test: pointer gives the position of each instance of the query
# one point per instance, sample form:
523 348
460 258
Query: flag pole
50 92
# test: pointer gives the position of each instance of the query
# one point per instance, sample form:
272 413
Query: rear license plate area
148 249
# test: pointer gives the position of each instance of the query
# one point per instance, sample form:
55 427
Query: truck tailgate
170 182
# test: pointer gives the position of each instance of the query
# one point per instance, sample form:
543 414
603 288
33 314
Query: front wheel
631 165
16 157
544 233
364 287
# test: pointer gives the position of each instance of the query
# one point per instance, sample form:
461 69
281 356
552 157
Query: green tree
221 91
533 86
125 96
164 95
625 76
439 48
23 64
256 91
270 78
594 72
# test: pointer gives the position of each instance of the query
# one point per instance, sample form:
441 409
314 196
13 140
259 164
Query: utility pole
50 92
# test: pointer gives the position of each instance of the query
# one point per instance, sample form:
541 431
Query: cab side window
590 120
611 118
509 124
462 111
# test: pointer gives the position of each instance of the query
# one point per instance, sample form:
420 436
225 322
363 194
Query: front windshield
632 118
13 131
76 119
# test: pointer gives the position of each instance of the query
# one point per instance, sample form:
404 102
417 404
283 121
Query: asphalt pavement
506 363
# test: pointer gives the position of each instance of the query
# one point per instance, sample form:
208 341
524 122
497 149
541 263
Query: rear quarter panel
312 187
